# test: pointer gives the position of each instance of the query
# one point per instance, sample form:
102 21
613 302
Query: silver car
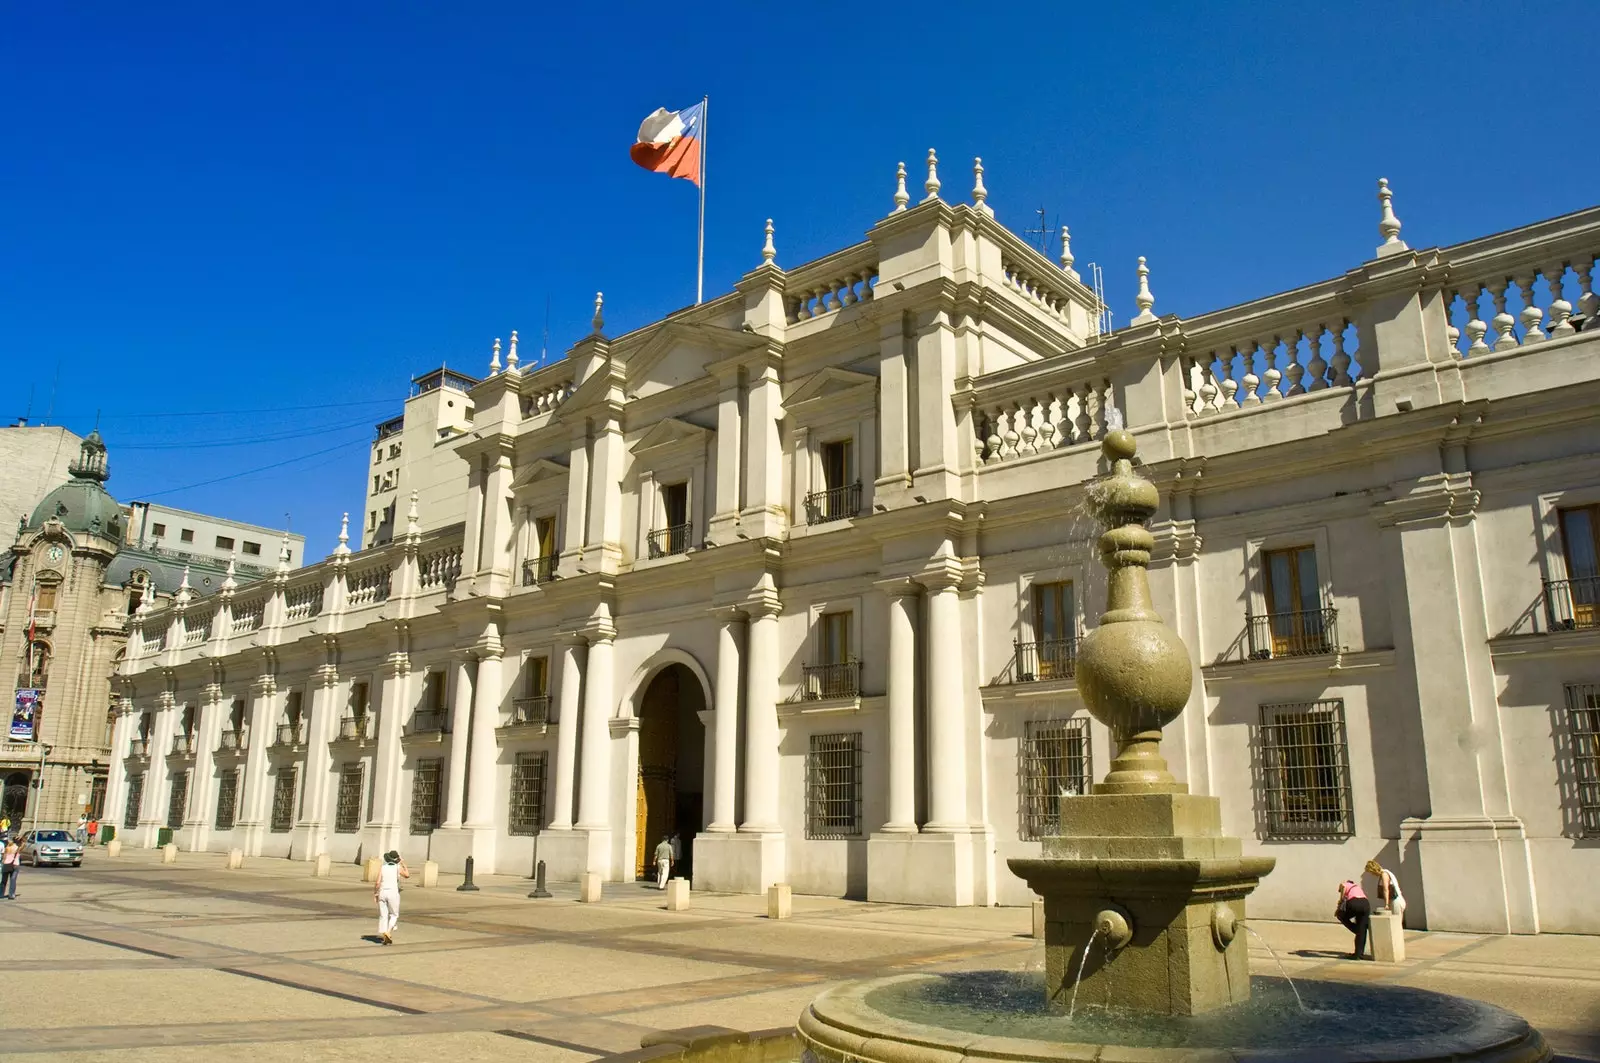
41 847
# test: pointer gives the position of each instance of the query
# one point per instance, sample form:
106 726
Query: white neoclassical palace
798 575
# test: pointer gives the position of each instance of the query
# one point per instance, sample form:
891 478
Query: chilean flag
669 142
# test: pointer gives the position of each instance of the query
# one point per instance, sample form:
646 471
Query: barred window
178 800
1580 764
833 786
1054 760
347 811
283 788
130 812
425 797
1306 770
227 799
527 792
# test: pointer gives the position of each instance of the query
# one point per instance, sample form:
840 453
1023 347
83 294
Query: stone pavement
133 960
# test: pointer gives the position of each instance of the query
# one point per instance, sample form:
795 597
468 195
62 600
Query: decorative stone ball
1134 675
1119 445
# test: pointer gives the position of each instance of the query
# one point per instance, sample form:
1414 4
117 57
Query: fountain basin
1005 1016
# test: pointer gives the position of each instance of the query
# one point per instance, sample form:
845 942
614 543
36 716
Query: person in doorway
10 864
663 862
1389 895
1355 912
83 828
386 891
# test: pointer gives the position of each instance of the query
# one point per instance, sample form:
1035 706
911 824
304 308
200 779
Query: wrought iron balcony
538 570
234 740
289 735
823 681
31 680
1305 633
1573 604
835 503
1046 659
183 745
139 747
530 710
430 722
355 728
666 541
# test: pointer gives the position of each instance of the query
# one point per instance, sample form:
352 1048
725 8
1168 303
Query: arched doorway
671 783
14 800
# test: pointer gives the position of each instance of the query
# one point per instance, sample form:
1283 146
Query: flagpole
700 274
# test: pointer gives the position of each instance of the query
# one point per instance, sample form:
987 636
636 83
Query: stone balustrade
439 569
544 390
369 586
1256 369
1046 416
1041 287
247 615
303 602
1522 287
197 625
830 284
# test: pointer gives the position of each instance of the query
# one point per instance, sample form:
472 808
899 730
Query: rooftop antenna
57 383
1101 324
544 349
1043 232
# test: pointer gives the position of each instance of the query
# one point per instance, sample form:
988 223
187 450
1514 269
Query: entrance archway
671 782
14 799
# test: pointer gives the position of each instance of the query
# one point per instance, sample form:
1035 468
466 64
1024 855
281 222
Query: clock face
54 554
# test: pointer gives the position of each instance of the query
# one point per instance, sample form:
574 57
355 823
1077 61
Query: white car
41 847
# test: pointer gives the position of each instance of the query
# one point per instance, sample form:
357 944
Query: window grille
130 812
1054 760
347 812
283 788
1583 768
178 802
425 797
227 799
527 792
833 798
1306 770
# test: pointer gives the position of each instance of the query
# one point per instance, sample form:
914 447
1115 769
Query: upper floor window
186 535
158 529
35 666
360 699
45 597
1297 623
224 542
1053 652
840 496
253 549
533 706
541 567
837 674
1578 603
673 536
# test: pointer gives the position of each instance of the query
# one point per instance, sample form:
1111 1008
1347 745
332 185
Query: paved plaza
133 960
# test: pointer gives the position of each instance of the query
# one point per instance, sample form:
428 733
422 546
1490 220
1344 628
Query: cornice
1352 666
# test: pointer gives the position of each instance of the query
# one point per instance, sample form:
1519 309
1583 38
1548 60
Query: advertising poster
25 715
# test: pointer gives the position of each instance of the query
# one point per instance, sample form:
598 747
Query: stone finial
599 322
1388 224
494 359
283 554
769 251
343 549
1066 254
228 582
511 354
980 194
1144 299
412 527
185 592
901 196
932 183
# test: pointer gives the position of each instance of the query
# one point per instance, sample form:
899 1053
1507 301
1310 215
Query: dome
82 503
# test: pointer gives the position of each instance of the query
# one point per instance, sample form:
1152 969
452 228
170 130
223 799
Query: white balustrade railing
439 569
302 603
197 626
153 641
1264 368
369 586
1520 306
1038 287
247 615
810 299
1047 418
544 390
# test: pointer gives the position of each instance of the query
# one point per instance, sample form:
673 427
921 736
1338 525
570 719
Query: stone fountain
1144 899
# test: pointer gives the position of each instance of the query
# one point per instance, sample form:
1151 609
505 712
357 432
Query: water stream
1274 955
1072 1006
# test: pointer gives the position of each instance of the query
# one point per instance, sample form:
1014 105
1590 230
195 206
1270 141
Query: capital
944 574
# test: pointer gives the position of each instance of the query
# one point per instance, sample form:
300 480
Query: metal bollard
538 882
467 886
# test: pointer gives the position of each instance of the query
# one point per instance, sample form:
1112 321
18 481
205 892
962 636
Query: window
1296 623
394 451
347 810
1053 653
130 811
186 535
158 529
1306 770
178 800
283 786
97 796
541 568
673 536
833 634
36 666
1053 761
227 799
1580 767
46 593
837 674
833 786
253 549
533 707
1577 605
536 677
527 793
425 797
360 699
224 542
840 496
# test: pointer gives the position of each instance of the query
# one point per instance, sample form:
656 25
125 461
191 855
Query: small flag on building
670 142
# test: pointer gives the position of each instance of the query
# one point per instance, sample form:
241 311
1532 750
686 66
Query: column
761 719
117 773
603 549
495 545
725 507
902 709
935 371
486 695
395 702
311 831
947 768
726 752
250 824
567 722
202 797
158 780
576 514
763 513
594 805
460 721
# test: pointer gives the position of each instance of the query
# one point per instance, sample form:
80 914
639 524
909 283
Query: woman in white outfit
1388 889
386 891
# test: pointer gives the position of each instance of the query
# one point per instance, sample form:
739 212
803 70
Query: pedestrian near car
94 829
663 862
83 829
10 864
1355 912
1389 895
386 891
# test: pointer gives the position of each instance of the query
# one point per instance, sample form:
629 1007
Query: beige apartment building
798 575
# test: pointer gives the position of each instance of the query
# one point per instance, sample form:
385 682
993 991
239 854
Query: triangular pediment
668 432
829 383
679 351
538 471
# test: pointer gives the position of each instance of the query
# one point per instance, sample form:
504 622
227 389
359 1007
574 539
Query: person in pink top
1355 912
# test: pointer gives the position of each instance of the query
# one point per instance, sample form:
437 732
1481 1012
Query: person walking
10 864
94 829
1389 895
1355 912
663 862
83 828
386 891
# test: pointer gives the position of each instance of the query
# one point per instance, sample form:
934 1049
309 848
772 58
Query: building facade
414 452
189 538
798 575
33 459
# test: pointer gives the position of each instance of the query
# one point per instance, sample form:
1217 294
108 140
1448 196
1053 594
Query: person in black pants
1355 912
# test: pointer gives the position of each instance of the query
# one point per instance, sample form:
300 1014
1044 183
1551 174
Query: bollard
678 895
467 885
1388 938
779 901
538 882
589 887
322 867
430 874
169 853
1038 918
114 848
235 859
369 873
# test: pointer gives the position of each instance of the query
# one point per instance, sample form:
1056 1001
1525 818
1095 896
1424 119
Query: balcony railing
1573 604
139 747
234 740
1306 633
430 722
31 680
538 570
289 735
355 728
530 710
183 745
665 541
1046 659
823 681
836 503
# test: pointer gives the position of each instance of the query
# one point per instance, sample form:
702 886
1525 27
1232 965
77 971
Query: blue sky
208 210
